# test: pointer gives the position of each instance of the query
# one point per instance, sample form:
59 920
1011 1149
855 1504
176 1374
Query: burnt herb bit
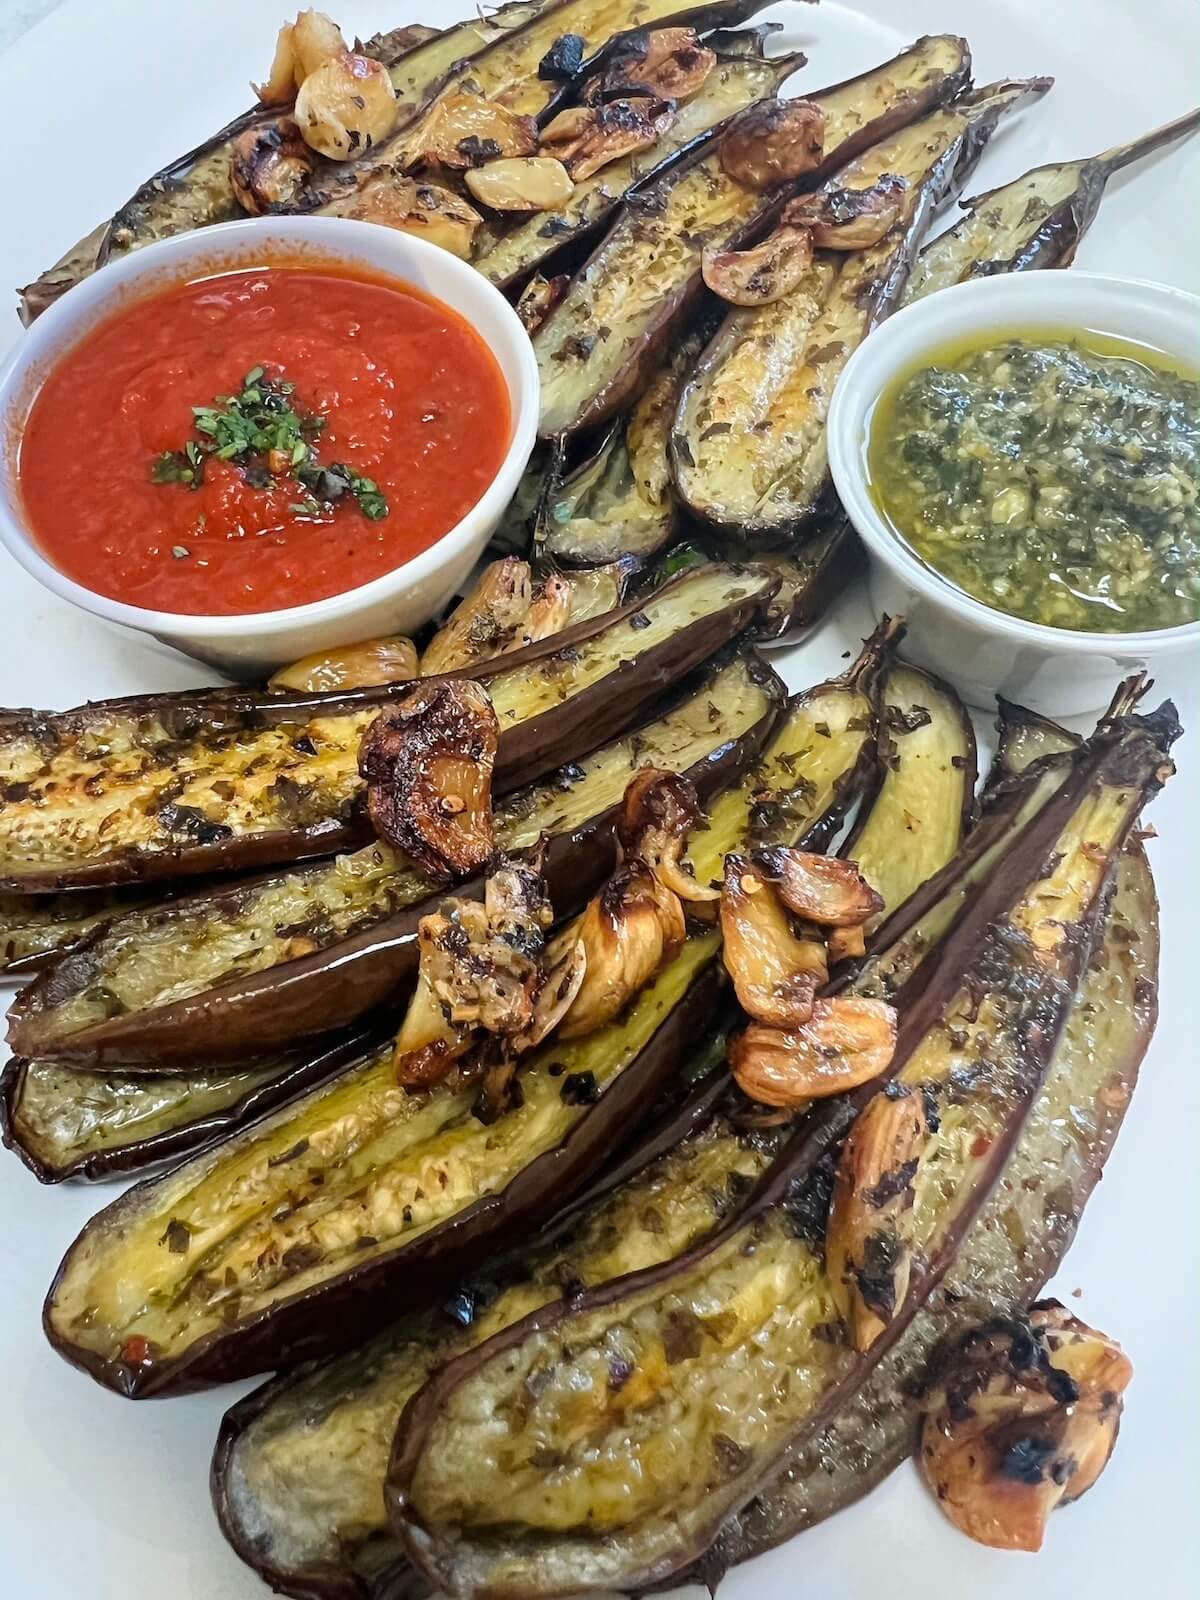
327 485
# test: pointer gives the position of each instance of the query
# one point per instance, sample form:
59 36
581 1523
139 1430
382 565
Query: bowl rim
332 238
873 366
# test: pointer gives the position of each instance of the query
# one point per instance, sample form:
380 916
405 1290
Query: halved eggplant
742 75
1037 220
524 1468
620 501
239 971
920 813
810 578
173 785
748 445
35 929
1016 1243
195 191
299 1467
64 1122
599 345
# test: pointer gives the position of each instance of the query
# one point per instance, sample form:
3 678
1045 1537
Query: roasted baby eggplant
810 577
179 784
1022 1233
920 812
1038 220
36 929
599 345
645 1471
65 1122
742 75
260 965
748 445
290 1238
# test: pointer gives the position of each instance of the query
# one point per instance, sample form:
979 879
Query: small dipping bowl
984 652
250 645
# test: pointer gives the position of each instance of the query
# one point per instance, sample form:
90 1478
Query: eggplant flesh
65 1122
179 784
35 929
300 1465
1014 1246
600 343
667 1400
922 809
739 77
249 968
748 446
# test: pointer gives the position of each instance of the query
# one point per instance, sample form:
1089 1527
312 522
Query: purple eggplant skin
295 1073
325 1319
633 221
1129 766
811 578
528 749
334 987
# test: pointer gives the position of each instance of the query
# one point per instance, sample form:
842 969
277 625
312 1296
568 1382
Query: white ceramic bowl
399 601
983 652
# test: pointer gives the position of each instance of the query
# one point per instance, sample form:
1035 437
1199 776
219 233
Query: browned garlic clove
845 1043
466 130
668 62
846 944
426 210
1020 1418
773 142
539 298
587 138
629 932
300 48
270 166
530 183
763 274
776 971
824 889
848 219
867 1248
346 106
428 764
503 612
658 812
357 666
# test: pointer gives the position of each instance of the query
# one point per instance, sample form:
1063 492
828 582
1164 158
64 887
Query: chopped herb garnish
262 431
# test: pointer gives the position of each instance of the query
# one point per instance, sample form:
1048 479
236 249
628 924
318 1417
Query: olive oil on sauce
1052 475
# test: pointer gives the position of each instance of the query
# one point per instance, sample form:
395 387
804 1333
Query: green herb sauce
1055 478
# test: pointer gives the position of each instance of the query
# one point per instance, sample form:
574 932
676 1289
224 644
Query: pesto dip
1055 478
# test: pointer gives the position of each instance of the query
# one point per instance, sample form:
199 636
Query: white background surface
104 1499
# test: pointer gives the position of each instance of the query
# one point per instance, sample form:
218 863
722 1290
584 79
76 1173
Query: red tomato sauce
411 396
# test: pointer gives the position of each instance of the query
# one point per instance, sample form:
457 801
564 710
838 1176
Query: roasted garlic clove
867 1249
846 944
629 932
503 612
824 889
270 167
848 219
668 62
776 971
539 298
345 106
586 138
357 666
428 763
529 183
763 274
393 200
466 130
658 812
773 142
846 1042
300 48
428 1044
1022 1417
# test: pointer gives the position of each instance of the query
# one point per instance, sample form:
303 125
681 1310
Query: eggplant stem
1123 155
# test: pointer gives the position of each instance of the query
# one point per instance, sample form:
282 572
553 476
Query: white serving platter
105 1500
